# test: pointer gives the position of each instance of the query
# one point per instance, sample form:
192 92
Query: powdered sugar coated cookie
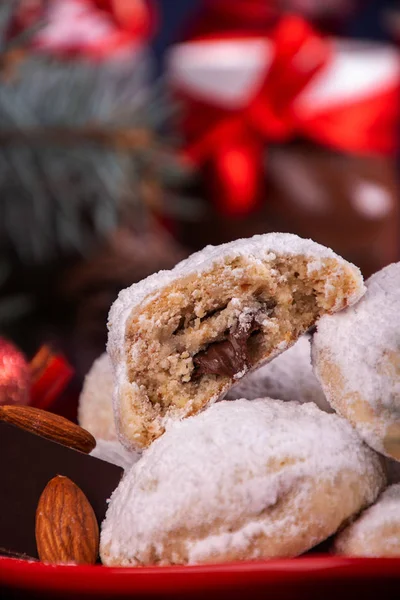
95 411
356 357
242 480
179 339
377 531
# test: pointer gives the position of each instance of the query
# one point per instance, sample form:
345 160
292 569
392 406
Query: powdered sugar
113 452
95 412
288 377
385 510
218 471
363 341
385 513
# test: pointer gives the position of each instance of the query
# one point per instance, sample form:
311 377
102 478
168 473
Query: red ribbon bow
232 140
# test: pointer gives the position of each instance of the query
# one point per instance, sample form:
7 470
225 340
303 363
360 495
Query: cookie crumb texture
356 357
189 334
241 480
377 531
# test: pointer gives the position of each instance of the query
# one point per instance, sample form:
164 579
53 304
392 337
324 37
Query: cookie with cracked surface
356 357
377 531
241 480
179 339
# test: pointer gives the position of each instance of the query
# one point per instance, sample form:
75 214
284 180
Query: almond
48 425
66 526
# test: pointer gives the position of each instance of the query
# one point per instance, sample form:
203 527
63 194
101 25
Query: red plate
322 577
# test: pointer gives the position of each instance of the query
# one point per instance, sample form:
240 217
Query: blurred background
133 132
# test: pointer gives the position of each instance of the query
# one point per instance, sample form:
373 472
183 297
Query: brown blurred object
392 23
347 202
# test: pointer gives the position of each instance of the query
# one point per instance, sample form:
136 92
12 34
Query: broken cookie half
179 339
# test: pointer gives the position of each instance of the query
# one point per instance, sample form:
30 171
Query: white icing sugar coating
289 376
113 452
377 531
356 357
258 248
95 411
205 488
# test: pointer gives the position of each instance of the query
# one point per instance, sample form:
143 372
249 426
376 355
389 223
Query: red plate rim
102 580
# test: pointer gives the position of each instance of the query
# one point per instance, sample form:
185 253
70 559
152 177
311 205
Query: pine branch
77 146
7 10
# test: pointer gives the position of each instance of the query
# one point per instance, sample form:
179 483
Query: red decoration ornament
15 375
50 373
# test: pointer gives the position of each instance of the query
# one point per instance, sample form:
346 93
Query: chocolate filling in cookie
231 356
205 331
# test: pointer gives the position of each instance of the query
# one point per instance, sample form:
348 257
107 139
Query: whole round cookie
356 357
241 480
289 376
377 531
95 410
179 339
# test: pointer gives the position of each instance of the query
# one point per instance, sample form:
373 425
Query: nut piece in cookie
356 357
179 339
241 480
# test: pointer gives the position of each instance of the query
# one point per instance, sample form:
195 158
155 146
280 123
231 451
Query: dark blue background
367 23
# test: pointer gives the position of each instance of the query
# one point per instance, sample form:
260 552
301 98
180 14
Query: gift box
292 131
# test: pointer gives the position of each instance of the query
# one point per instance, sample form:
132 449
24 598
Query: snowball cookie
241 480
179 339
95 411
356 357
377 531
288 377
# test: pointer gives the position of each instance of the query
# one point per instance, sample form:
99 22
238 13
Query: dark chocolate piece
220 358
27 463
228 357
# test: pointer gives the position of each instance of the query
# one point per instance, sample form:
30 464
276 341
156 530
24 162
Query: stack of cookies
252 395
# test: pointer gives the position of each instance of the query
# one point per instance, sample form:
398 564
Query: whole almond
66 526
48 425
